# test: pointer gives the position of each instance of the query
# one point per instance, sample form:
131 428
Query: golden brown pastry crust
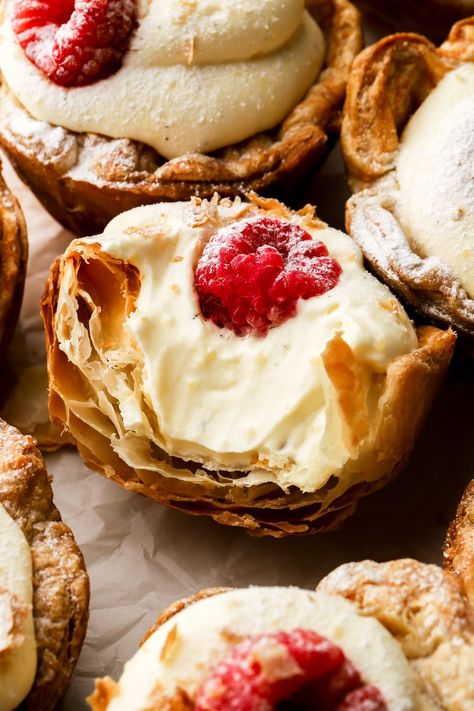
459 546
13 258
60 581
423 607
404 396
121 174
388 83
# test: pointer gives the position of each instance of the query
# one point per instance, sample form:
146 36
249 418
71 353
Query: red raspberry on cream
251 274
74 42
300 668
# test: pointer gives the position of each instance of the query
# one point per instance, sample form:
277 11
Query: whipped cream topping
198 75
261 406
435 171
183 651
17 635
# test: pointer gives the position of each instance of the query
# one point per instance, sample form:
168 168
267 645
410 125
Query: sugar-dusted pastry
13 257
44 587
234 359
163 100
403 639
408 140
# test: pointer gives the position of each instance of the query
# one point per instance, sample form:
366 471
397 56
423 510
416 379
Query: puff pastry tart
13 258
163 100
408 140
44 587
401 639
234 359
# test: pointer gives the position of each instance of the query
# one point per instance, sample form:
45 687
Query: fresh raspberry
252 273
74 42
287 671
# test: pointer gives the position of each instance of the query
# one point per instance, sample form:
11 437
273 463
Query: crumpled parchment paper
141 556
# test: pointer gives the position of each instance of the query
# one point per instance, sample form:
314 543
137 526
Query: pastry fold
388 82
382 413
60 580
85 179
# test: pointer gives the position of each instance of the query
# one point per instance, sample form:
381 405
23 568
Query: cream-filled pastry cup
280 430
226 96
44 587
167 667
412 171
405 626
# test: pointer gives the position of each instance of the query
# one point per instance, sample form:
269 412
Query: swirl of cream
206 32
199 75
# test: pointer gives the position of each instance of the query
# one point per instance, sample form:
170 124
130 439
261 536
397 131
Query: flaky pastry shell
107 287
422 606
388 82
13 258
84 180
60 580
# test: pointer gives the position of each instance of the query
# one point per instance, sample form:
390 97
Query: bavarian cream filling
17 635
262 405
198 75
435 170
184 650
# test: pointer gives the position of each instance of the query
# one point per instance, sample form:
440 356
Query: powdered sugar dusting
435 171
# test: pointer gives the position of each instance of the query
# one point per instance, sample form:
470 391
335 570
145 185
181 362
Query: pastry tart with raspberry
110 104
13 258
44 587
408 141
401 640
235 360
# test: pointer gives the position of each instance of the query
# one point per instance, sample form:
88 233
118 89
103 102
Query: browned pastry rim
424 608
405 396
122 174
60 581
387 84
459 546
13 258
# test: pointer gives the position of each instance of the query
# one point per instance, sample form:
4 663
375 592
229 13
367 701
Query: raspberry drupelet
74 42
287 671
252 273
